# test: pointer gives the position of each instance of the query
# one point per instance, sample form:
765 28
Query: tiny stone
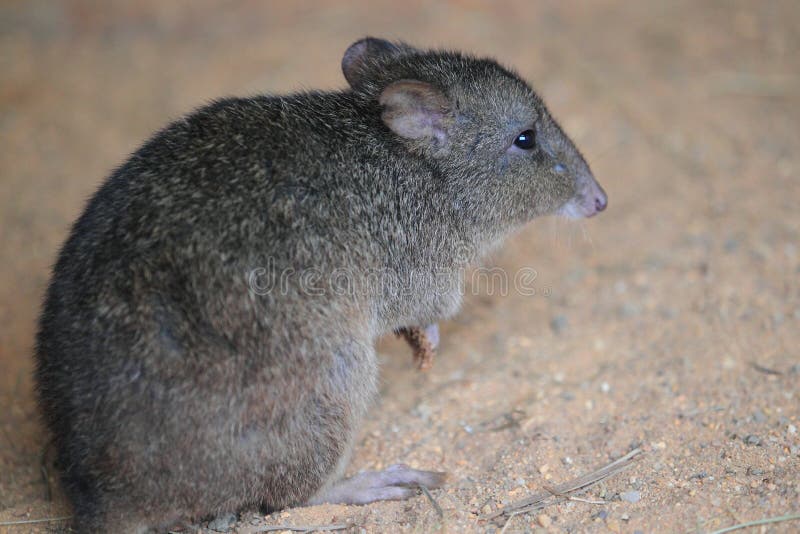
629 309
791 429
544 521
759 417
602 514
559 323
223 523
604 387
752 440
667 312
631 496
544 468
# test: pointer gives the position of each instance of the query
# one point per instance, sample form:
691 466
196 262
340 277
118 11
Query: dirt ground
670 323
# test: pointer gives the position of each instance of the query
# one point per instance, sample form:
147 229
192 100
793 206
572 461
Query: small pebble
544 468
223 523
567 395
752 440
759 417
667 312
544 520
559 323
629 309
605 387
631 496
791 429
731 244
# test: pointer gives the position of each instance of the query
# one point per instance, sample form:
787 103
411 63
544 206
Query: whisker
586 236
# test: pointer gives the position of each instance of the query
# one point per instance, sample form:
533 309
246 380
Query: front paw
424 342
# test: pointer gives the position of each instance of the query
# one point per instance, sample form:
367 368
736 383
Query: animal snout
600 198
589 199
594 199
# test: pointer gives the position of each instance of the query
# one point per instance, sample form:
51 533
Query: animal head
504 159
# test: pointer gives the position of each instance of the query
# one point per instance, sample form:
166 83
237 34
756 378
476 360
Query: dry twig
766 521
297 528
566 490
433 501
32 521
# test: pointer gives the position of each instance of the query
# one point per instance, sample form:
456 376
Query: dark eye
526 140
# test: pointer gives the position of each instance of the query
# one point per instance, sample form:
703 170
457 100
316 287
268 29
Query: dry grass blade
32 521
297 528
567 489
767 521
555 492
433 502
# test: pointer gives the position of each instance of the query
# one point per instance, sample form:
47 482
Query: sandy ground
669 324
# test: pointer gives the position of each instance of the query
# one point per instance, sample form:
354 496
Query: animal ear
362 51
415 110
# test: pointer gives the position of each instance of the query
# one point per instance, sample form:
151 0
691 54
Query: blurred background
670 322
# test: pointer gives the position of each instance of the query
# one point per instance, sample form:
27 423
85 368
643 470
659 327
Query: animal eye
526 140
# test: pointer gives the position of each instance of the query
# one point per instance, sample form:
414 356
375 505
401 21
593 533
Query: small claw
432 333
423 341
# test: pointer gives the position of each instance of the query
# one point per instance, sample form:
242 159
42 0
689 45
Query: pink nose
601 201
595 191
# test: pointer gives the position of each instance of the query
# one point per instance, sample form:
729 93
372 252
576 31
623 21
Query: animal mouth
586 204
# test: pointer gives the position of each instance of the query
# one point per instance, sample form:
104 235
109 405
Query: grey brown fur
175 390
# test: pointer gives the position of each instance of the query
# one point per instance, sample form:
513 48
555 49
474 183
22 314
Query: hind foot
395 483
